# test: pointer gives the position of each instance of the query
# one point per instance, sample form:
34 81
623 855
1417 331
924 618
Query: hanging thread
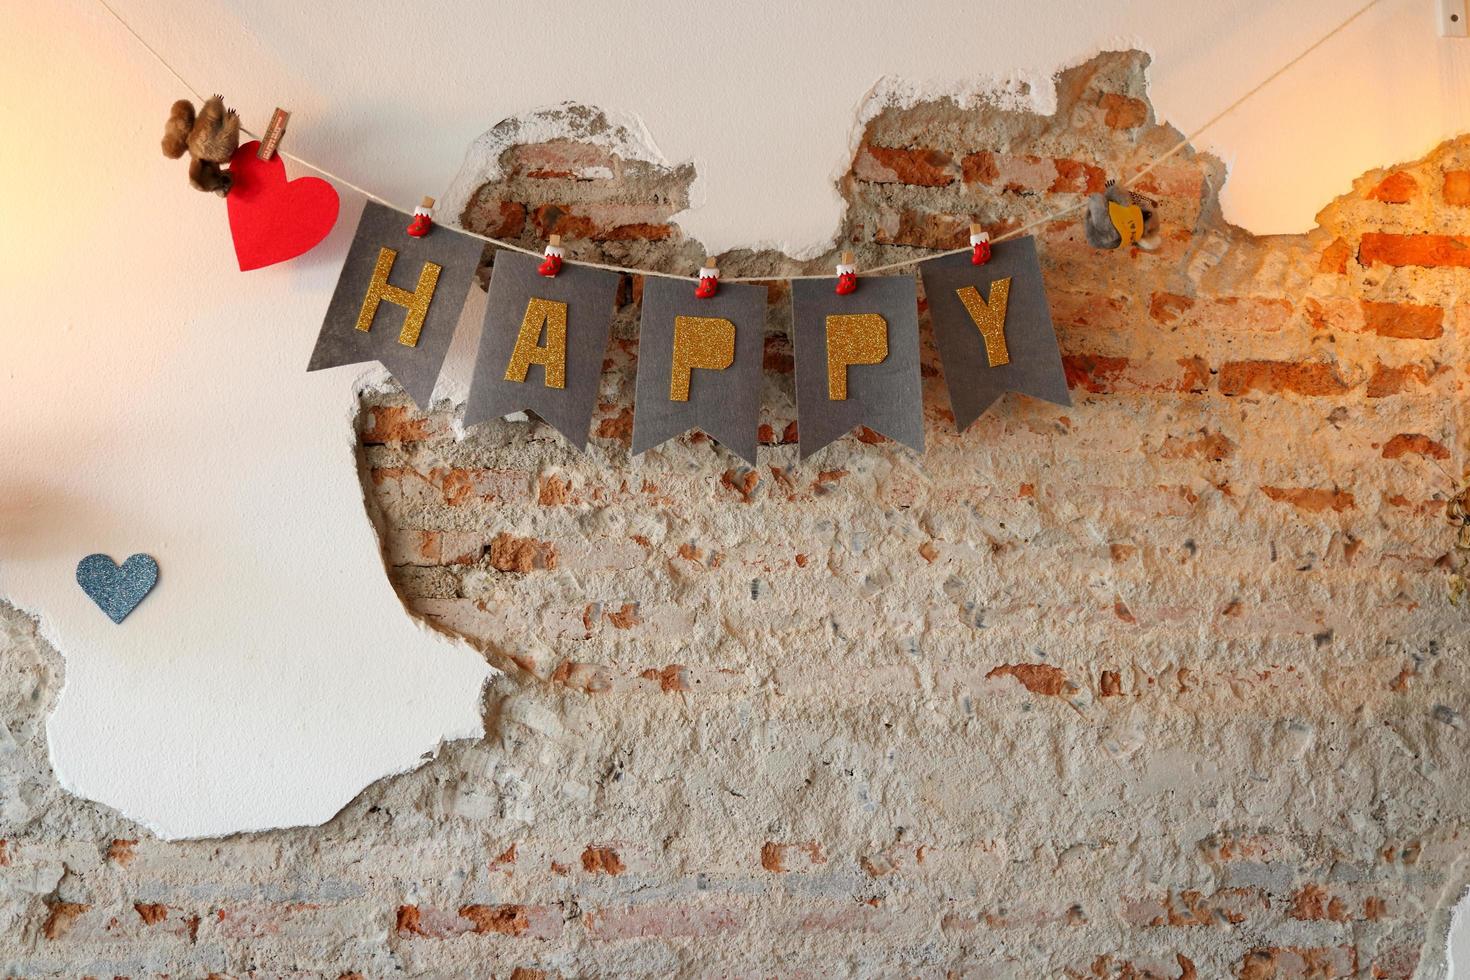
888 267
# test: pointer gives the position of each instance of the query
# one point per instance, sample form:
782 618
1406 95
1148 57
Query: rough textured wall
1164 685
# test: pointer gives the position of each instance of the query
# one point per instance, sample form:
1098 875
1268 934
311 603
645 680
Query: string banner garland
541 347
542 344
699 365
994 329
857 360
397 301
990 318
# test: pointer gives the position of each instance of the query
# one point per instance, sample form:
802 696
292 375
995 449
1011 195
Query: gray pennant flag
397 300
543 344
699 364
994 329
857 360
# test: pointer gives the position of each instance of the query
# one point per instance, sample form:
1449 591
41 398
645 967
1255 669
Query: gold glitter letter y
990 318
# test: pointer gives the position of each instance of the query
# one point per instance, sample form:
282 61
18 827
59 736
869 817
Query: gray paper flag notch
412 322
1027 360
882 393
723 401
571 310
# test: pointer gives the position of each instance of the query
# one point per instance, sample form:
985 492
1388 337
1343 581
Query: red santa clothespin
979 245
846 274
423 218
551 263
709 280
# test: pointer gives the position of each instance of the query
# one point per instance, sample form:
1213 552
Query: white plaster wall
272 673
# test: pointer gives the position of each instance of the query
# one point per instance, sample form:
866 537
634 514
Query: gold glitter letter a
860 338
416 302
553 357
699 342
990 318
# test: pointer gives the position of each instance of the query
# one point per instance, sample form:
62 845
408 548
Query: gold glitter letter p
860 338
990 318
699 342
416 302
553 357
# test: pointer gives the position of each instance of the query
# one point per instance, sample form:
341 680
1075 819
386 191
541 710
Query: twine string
1057 215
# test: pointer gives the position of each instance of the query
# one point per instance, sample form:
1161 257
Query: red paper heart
273 219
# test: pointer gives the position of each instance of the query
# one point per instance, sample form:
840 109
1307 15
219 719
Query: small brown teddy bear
211 139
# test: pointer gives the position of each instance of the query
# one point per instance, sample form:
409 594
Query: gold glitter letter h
416 302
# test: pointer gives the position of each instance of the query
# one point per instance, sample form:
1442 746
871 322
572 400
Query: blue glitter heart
117 591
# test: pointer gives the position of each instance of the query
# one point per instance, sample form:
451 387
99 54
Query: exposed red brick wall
1162 685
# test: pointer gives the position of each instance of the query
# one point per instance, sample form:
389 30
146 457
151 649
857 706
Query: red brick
743 482
530 921
498 219
394 423
1457 187
1413 442
527 921
671 679
920 166
1076 177
164 919
1277 377
626 617
1311 499
1389 380
60 917
1404 321
509 553
1396 188
602 861
605 226
1093 372
1104 374
1298 963
1312 903
554 491
980 168
1122 111
1428 251
1335 257
1204 444
779 858
1226 906
923 229
1169 307
1036 678
559 156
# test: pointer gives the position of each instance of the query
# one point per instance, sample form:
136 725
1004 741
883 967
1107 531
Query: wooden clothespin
274 130
423 218
709 279
847 274
551 262
979 244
